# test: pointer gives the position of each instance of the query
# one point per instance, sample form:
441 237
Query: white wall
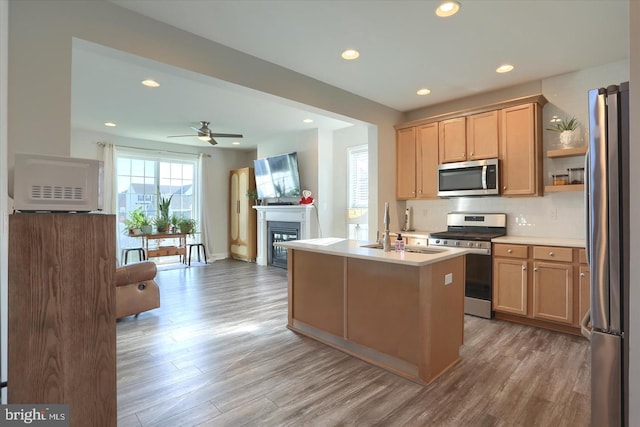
634 332
555 214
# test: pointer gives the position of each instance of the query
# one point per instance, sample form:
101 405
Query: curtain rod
102 144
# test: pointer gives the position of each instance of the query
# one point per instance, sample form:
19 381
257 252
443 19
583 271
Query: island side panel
442 316
316 295
382 307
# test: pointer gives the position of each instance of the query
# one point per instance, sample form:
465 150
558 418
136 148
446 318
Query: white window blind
358 177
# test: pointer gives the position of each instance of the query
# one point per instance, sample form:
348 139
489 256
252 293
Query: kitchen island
400 311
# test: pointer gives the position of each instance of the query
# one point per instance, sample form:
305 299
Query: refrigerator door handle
598 211
586 210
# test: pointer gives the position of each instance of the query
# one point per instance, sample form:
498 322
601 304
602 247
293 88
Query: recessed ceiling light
235 143
308 120
350 54
448 8
505 68
110 124
423 91
150 83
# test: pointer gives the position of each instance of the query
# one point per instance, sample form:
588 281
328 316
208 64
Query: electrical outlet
448 279
424 212
554 213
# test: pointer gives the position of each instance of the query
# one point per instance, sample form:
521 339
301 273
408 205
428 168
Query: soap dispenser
399 243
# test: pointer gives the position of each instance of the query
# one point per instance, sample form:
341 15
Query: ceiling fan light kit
204 133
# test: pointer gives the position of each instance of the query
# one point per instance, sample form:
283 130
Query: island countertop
356 249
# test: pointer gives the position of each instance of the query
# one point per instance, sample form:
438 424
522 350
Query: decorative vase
569 138
146 229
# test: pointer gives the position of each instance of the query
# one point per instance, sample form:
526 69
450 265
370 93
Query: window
358 202
141 182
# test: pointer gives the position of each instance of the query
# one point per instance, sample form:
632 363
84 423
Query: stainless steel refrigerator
607 205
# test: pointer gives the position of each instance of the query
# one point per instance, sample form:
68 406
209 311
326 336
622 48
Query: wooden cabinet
61 321
520 150
510 285
553 291
453 140
406 163
566 152
482 135
242 216
417 162
555 298
427 161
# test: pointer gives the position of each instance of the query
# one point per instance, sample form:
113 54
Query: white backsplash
554 215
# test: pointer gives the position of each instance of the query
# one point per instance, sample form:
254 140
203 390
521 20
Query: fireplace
304 216
280 231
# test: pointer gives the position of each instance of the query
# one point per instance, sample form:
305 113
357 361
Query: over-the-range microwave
57 184
476 178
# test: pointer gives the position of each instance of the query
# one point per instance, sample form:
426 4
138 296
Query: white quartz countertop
541 241
354 249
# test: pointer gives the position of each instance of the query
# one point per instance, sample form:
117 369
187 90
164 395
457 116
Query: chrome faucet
386 242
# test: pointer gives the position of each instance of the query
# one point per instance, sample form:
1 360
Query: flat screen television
277 176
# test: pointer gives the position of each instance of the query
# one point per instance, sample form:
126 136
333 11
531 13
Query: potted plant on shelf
187 225
568 129
174 220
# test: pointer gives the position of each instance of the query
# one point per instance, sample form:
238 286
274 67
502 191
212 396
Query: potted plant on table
135 221
145 224
187 225
161 224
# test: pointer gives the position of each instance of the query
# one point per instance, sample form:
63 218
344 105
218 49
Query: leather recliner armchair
136 291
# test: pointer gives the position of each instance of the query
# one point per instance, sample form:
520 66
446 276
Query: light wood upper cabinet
427 161
482 136
453 140
510 285
520 152
406 163
417 162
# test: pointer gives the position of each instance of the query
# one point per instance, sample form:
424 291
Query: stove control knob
470 244
444 242
457 243
437 241
479 245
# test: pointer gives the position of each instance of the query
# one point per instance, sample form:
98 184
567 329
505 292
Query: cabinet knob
550 253
472 153
535 269
524 268
504 188
509 251
581 274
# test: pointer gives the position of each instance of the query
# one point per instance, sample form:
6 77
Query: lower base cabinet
544 286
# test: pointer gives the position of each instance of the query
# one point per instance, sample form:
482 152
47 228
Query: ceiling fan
205 134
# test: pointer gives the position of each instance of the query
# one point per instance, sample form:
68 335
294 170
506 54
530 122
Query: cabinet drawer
583 256
509 251
553 253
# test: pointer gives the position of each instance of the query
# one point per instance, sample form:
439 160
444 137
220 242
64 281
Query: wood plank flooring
217 353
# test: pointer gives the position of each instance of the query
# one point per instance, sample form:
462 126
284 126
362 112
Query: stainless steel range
474 231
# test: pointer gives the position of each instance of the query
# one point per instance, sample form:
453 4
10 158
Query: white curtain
110 186
205 203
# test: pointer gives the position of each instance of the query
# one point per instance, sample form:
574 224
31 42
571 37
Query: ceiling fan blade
179 136
213 141
227 135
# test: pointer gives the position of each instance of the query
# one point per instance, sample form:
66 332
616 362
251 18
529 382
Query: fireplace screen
278 231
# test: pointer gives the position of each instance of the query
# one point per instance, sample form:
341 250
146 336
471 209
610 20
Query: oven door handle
484 177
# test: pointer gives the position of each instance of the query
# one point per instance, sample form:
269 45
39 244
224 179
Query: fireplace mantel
303 214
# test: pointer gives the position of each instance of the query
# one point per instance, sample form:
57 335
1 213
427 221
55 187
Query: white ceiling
403 47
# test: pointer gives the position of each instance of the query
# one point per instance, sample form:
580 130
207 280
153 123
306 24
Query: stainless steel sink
420 250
